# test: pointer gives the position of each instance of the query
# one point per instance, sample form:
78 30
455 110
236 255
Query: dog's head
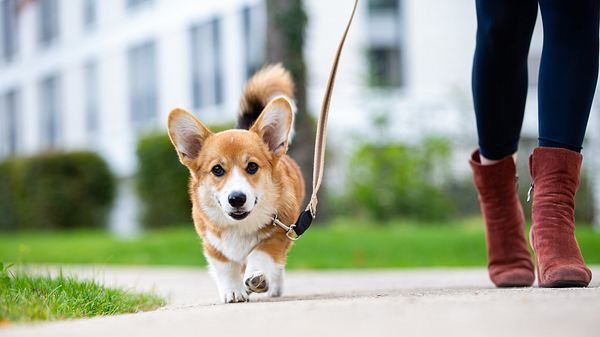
232 171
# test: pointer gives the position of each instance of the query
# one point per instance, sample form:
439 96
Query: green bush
9 196
55 190
391 180
464 196
161 182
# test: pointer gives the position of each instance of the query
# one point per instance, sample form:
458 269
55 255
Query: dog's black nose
237 199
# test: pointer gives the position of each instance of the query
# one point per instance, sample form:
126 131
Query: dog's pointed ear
187 134
274 125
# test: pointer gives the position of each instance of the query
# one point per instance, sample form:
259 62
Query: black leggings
568 71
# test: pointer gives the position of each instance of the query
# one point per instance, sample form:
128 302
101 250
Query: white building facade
95 74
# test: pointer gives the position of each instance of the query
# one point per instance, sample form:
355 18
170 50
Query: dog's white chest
234 245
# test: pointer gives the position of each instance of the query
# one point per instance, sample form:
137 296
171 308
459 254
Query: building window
49 105
136 3
385 52
89 14
143 93
207 64
9 28
48 21
383 5
254 33
384 67
9 113
90 74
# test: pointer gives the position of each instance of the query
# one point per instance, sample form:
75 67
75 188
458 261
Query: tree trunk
286 23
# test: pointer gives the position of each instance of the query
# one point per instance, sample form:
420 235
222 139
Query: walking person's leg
504 31
568 75
499 81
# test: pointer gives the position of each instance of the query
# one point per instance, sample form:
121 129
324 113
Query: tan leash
304 221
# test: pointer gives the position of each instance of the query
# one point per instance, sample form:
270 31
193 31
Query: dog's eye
218 170
252 167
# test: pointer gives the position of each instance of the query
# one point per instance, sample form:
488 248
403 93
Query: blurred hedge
161 182
55 190
396 180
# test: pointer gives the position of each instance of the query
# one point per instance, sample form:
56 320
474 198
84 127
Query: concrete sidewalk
429 302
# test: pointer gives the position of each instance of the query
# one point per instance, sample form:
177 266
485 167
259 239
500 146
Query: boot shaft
499 179
555 180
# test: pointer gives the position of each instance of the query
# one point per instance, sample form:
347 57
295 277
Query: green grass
25 297
339 244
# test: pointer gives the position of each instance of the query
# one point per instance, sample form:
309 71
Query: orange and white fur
240 179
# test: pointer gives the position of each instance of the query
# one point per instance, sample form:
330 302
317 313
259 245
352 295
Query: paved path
434 302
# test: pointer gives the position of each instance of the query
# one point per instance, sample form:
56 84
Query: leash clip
289 230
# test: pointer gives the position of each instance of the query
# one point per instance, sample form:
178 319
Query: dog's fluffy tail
267 83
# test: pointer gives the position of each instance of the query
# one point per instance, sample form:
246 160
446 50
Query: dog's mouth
239 215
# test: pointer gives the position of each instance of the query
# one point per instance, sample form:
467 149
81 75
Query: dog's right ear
187 134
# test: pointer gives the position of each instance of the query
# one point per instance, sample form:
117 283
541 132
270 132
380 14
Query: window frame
394 77
135 4
51 18
210 69
254 38
10 121
9 30
91 97
49 107
142 63
89 14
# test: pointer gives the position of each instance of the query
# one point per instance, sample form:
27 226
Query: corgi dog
239 180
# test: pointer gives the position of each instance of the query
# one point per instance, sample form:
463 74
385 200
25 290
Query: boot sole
513 285
565 284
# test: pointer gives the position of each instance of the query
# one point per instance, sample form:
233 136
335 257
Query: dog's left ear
274 125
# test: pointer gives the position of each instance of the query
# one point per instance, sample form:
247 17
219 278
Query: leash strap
305 219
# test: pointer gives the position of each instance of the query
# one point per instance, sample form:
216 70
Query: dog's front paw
275 291
234 295
257 282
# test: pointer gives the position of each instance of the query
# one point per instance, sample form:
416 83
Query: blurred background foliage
59 190
397 180
161 182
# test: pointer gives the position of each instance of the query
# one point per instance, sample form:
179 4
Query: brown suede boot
509 261
555 176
